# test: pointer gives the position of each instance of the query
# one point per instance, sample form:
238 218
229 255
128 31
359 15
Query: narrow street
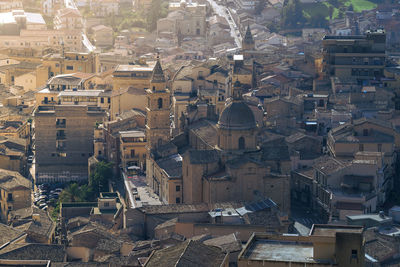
224 12
138 192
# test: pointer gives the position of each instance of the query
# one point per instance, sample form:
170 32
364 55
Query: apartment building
133 148
129 85
326 245
246 5
77 88
365 134
6 6
64 141
357 56
16 20
104 8
185 19
103 36
68 18
15 192
71 62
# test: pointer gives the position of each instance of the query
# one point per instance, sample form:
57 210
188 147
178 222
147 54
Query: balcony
60 125
48 102
136 157
61 137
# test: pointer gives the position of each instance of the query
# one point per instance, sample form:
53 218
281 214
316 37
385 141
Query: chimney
36 217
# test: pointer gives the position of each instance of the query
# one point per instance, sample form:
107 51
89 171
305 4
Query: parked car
38 203
54 197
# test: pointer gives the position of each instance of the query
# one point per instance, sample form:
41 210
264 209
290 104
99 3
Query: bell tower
158 110
248 43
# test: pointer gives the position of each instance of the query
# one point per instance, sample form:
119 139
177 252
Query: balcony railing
60 125
48 102
61 137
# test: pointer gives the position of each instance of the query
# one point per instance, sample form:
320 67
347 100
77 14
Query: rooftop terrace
274 250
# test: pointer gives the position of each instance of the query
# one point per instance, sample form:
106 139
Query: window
61 145
361 147
102 100
379 147
70 67
99 152
178 188
178 200
60 134
108 100
61 123
106 204
160 103
354 254
365 132
9 197
241 143
132 153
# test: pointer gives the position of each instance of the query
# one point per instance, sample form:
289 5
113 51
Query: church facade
213 161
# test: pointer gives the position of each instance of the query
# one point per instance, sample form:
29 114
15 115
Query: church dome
237 116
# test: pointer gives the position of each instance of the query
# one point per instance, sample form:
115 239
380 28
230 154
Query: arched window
160 103
241 143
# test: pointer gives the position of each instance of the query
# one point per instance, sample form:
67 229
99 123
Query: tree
319 21
260 6
153 15
350 8
99 179
71 194
292 15
331 9
334 3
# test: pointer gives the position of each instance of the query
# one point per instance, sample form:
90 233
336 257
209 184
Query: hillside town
224 133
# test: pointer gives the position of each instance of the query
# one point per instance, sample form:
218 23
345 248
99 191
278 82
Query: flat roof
31 18
278 250
238 57
331 230
375 217
123 68
132 133
81 93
